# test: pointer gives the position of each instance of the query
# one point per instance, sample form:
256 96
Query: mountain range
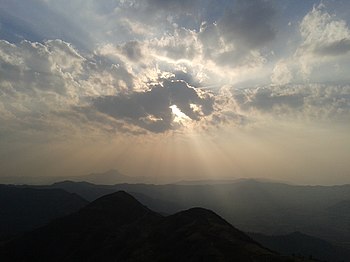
275 212
253 206
117 227
109 177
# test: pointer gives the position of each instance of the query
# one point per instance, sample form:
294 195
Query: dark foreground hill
23 209
117 227
303 245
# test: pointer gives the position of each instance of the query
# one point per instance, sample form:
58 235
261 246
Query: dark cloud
334 49
249 24
244 27
171 4
132 50
265 99
313 101
151 109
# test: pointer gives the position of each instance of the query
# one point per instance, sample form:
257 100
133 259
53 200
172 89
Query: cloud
321 51
33 66
163 34
170 5
317 102
324 39
238 37
43 85
182 44
324 34
335 48
52 88
132 50
129 84
151 109
249 24
281 73
265 99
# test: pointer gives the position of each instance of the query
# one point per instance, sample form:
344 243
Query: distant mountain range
252 206
110 177
117 227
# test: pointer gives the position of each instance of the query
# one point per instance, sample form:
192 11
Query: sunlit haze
176 90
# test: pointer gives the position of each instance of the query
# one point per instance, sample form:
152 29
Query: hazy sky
176 89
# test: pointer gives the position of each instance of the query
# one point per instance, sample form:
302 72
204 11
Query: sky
176 89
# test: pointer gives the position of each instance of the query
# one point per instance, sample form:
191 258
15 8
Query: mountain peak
120 206
199 215
117 200
205 221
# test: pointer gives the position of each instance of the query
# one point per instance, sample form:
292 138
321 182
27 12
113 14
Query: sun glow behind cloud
179 117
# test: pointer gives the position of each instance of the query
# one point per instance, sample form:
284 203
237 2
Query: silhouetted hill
117 227
303 245
97 233
23 209
199 234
